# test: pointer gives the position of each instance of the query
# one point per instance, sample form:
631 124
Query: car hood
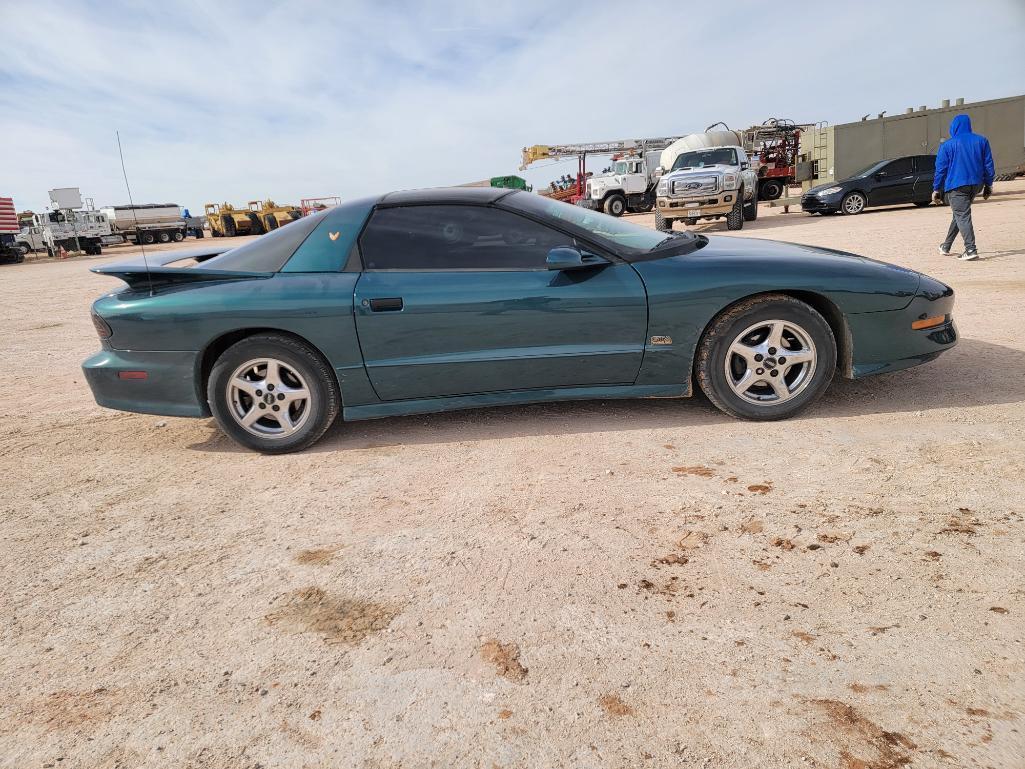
716 169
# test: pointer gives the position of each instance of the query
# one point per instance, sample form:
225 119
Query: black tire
324 402
228 226
751 208
661 223
146 238
770 190
691 222
25 248
735 218
270 223
255 225
200 234
164 236
853 203
615 205
710 362
178 236
923 203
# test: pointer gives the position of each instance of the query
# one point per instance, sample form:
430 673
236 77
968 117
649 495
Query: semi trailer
147 223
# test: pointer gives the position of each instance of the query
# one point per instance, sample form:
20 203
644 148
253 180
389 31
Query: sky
235 101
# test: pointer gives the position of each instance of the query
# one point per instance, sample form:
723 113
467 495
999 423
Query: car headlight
830 191
663 187
729 181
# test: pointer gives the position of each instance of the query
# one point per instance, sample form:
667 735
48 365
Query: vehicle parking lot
635 583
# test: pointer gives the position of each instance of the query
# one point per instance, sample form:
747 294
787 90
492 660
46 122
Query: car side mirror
745 165
569 258
659 171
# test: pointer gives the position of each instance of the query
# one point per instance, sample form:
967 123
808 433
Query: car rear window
267 253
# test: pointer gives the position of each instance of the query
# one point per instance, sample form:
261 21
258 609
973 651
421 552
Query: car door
925 166
894 183
457 299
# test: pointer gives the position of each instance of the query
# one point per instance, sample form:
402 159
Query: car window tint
926 164
453 237
900 167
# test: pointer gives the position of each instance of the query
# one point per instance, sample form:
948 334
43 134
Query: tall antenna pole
135 216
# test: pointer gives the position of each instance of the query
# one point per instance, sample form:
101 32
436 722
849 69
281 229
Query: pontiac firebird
443 299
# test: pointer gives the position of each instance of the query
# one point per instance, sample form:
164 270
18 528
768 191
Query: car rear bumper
168 389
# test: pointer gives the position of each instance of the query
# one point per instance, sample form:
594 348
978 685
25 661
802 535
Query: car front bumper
885 341
684 208
594 205
170 387
816 205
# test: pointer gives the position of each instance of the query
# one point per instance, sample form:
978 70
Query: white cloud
238 100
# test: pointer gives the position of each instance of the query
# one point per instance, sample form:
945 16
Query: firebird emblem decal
661 340
333 235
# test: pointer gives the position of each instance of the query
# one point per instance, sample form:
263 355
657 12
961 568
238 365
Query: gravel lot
605 584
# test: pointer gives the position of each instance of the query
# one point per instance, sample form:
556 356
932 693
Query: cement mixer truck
706 176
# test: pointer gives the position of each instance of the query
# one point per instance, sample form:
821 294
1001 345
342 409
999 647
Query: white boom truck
629 187
69 229
706 176
148 222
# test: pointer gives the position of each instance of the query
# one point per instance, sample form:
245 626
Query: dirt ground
604 584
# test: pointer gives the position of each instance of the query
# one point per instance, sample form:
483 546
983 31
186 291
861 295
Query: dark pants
960 200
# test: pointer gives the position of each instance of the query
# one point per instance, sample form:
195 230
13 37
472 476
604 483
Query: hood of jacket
961 124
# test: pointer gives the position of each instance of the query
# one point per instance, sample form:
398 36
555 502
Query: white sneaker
944 250
969 256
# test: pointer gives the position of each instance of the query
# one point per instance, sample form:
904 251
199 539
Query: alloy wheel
853 203
268 398
770 362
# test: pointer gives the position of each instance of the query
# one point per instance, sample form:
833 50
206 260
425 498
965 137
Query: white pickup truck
707 183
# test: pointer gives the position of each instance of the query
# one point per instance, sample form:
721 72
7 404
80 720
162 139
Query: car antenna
135 215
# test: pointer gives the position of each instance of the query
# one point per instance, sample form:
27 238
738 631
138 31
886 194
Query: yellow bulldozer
226 221
271 215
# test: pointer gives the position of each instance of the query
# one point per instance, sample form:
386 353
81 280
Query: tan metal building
835 152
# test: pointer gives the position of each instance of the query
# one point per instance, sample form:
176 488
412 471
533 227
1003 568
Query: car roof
478 195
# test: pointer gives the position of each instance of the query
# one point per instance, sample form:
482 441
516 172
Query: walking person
964 165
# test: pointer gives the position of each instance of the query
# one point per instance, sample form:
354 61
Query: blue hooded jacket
965 159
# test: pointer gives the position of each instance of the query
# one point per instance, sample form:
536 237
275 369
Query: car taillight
101 326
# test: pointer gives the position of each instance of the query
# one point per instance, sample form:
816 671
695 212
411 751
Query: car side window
900 167
926 164
455 237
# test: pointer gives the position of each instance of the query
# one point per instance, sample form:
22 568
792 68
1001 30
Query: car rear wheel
853 203
766 358
751 209
770 190
273 394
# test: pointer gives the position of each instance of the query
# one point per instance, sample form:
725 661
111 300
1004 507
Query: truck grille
695 185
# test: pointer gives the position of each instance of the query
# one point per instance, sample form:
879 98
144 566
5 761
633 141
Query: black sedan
884 183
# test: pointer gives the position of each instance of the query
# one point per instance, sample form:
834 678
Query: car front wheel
766 358
853 203
273 393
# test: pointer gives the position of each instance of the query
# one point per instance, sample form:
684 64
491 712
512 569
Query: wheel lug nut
263 405
758 358
259 393
782 360
773 372
276 407
759 371
270 387
281 396
772 351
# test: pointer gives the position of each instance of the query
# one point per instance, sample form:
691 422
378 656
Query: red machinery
775 143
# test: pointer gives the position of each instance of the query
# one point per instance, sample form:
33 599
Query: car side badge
661 340
334 235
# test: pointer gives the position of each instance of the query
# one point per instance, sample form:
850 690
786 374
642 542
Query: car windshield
609 231
869 170
725 156
623 167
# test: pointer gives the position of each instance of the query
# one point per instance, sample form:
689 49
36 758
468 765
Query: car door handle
391 304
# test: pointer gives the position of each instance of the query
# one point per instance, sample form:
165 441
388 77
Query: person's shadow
974 373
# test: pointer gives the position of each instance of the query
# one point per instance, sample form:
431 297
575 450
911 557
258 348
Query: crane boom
559 151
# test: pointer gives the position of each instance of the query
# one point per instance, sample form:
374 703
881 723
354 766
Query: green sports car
443 299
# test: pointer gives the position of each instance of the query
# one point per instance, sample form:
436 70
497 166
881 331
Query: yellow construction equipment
271 215
226 221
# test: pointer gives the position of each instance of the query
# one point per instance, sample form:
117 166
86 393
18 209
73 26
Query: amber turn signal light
936 320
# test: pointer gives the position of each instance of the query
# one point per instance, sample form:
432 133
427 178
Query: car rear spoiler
154 272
